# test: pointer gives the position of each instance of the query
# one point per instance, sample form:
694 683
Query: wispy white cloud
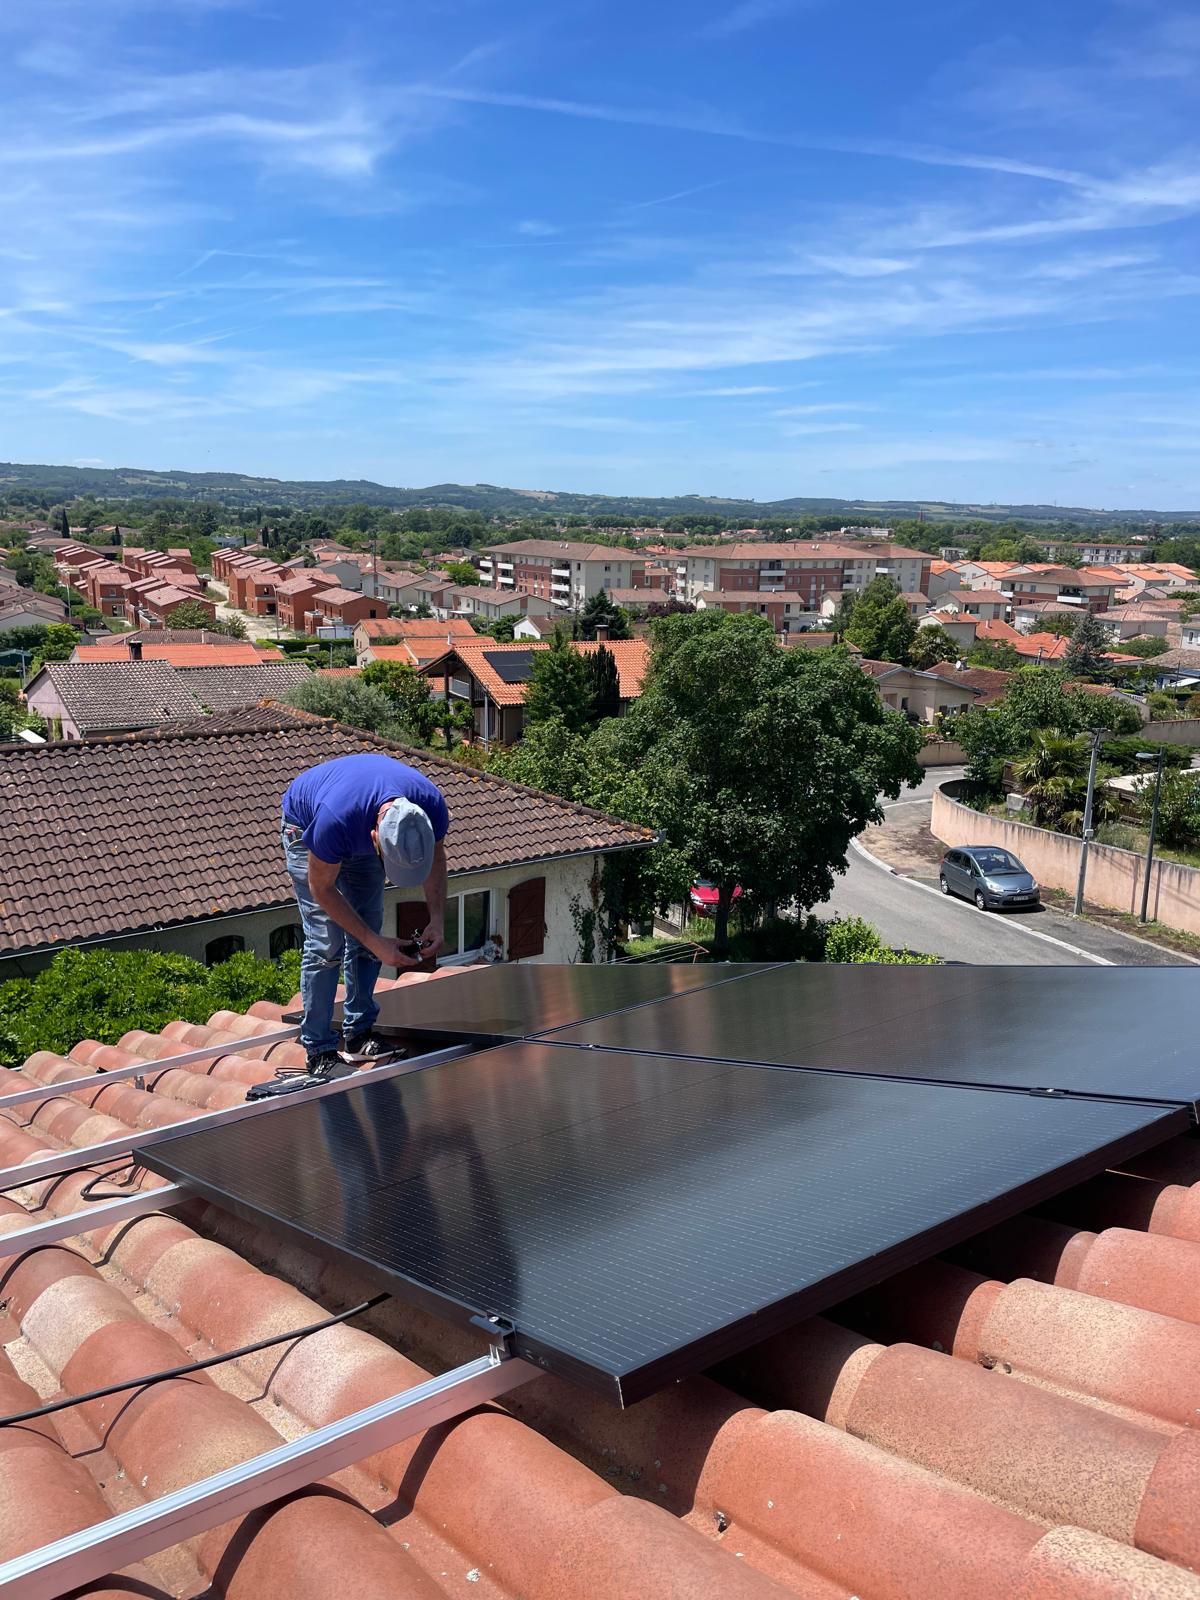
737 390
856 266
748 14
536 228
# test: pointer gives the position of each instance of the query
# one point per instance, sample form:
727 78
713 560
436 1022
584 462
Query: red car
703 897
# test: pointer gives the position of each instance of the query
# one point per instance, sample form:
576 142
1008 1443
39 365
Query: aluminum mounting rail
89 1555
85 1157
147 1068
77 1223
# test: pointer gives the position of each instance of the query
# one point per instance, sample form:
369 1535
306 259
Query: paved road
908 913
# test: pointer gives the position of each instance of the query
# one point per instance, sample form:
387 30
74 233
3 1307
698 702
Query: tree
880 624
1147 646
605 684
59 643
1053 777
462 573
65 524
358 704
1178 809
600 611
414 705
502 630
1060 623
1085 653
1036 699
931 645
1001 654
560 685
759 764
194 614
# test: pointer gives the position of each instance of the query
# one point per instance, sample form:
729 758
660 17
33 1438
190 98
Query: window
221 949
287 937
468 922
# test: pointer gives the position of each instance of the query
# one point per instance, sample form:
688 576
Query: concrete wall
1114 877
1185 731
565 881
941 753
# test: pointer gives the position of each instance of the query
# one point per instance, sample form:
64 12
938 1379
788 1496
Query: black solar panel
511 666
1118 1031
513 1002
636 1217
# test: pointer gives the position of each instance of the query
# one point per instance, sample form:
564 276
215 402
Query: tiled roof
1038 646
562 550
221 653
148 636
416 628
1009 1423
1181 660
336 597
198 815
225 688
632 657
111 695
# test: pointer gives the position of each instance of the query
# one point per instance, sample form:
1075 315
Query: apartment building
807 567
556 570
786 610
1068 588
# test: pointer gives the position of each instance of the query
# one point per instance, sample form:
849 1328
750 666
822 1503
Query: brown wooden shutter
527 919
411 917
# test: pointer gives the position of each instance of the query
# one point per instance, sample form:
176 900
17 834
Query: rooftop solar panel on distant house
510 666
1128 1032
636 1218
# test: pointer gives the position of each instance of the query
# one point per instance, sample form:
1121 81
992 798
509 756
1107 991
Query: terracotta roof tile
228 653
199 812
1010 1424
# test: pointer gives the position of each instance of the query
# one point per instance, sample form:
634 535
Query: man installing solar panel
350 826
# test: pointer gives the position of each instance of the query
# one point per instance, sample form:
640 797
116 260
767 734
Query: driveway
901 899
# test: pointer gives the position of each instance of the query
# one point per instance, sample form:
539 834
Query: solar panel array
665 1164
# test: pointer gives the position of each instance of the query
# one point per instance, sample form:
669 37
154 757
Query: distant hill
236 489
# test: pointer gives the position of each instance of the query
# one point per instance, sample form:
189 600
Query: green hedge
101 994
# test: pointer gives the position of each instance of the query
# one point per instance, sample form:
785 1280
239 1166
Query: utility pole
1087 824
1162 751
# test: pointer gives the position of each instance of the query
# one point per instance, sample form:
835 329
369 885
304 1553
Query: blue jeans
329 951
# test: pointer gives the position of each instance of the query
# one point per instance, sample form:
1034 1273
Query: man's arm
322 880
434 936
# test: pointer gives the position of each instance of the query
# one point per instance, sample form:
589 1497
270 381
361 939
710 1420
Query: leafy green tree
502 629
1178 809
560 685
605 684
1035 700
759 764
358 704
1000 655
1146 645
601 611
462 573
880 624
931 645
1060 623
1053 777
193 614
415 706
1163 706
59 643
1085 653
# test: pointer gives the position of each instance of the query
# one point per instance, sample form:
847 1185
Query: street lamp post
1087 824
1148 755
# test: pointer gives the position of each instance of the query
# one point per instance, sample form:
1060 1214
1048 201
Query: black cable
192 1366
131 1167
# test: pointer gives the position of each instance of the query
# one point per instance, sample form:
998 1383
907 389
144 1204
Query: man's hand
432 939
395 953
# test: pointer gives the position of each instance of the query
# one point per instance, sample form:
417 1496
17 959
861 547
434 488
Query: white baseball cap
406 843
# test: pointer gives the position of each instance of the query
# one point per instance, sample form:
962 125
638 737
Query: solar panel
637 1218
510 666
515 1001
1118 1031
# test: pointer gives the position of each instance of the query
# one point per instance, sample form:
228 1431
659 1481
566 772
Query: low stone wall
1114 877
941 753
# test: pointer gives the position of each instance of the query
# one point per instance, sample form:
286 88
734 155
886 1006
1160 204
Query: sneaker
322 1068
370 1050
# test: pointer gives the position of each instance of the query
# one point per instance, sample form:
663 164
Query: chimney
601 632
135 649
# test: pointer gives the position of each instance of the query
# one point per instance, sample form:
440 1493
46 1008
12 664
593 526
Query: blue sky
743 247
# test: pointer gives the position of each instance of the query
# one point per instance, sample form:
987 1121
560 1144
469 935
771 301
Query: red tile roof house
159 604
422 637
197 858
342 608
296 601
1010 1422
492 677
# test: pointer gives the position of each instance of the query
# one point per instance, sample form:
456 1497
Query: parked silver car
992 877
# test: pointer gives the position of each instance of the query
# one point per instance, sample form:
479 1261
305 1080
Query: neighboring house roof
147 636
983 596
563 549
119 836
337 597
228 653
418 652
225 688
1043 646
417 627
1177 660
114 695
482 658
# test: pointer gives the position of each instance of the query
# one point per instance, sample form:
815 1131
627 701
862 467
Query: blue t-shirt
338 802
